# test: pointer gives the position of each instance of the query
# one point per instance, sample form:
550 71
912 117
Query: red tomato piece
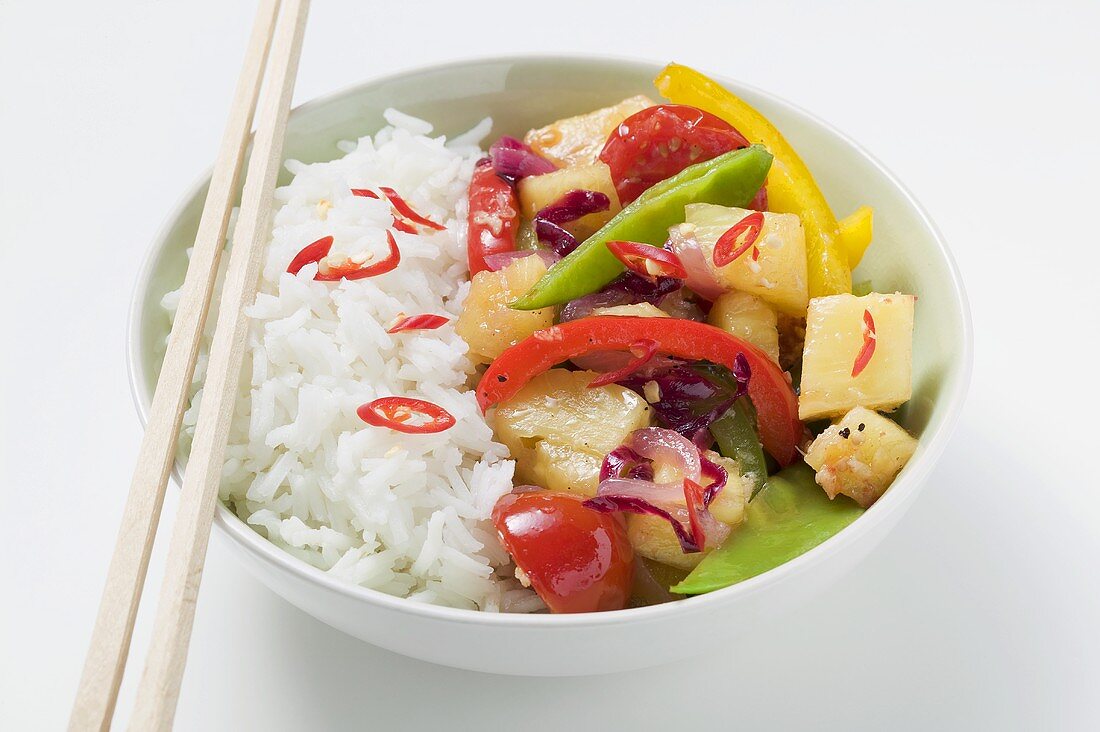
493 218
658 142
578 560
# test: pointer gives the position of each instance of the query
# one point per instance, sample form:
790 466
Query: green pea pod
731 179
790 516
735 433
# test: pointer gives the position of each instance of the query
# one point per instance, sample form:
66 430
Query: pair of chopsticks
275 45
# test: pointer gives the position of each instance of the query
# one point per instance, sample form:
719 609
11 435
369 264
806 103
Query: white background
978 612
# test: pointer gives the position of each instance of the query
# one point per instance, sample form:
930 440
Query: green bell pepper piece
731 179
735 433
790 516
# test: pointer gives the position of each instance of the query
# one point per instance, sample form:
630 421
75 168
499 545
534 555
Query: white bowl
908 255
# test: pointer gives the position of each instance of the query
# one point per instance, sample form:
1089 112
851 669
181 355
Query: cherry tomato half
658 142
577 560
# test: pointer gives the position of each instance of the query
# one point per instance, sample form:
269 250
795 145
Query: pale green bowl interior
522 93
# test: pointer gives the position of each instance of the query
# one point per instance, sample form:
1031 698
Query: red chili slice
403 225
400 206
738 239
694 496
397 414
418 322
314 252
407 211
643 351
353 271
648 261
868 349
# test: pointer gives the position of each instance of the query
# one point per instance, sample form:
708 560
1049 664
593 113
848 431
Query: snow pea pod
731 179
735 433
790 516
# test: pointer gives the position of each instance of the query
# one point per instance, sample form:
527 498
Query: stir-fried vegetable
790 516
791 186
730 179
658 142
577 560
735 433
771 393
626 398
493 217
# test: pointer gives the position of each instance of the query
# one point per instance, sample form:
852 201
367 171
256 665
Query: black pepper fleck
845 433
502 378
861 427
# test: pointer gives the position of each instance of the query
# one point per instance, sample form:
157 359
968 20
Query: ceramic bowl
908 255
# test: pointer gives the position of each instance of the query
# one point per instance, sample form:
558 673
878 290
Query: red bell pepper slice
493 218
769 389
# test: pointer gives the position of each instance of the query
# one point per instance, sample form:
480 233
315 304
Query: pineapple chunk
748 317
860 455
487 324
653 537
834 338
729 505
561 468
579 140
637 310
558 408
536 192
778 275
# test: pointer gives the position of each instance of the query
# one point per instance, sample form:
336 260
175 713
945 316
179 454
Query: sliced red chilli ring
400 206
870 338
407 211
738 239
643 351
353 271
418 322
403 225
648 261
310 254
406 414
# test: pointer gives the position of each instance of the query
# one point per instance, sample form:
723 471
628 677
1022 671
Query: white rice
403 514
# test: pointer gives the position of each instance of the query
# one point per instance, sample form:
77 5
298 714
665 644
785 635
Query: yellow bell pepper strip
791 186
855 233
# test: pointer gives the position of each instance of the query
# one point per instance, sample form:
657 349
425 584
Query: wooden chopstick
160 682
106 659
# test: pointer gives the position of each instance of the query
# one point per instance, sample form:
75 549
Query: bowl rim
901 493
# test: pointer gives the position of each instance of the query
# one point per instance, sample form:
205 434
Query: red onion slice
622 462
513 159
626 484
668 446
700 280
